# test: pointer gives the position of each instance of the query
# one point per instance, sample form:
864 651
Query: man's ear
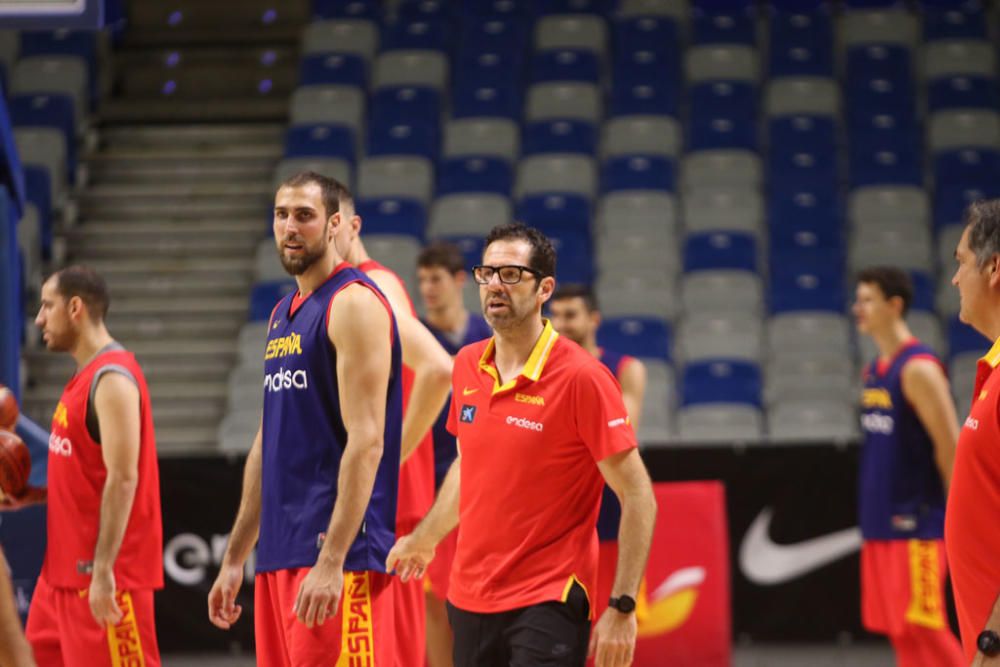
546 287
994 269
75 307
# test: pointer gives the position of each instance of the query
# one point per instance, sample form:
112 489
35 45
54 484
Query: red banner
683 605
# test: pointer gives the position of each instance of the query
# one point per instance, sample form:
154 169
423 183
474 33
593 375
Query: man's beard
296 266
505 321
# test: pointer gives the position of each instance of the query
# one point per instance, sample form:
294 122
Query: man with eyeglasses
541 426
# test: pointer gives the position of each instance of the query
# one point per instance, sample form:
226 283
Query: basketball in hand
15 464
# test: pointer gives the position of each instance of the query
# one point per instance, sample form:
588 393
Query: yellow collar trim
993 356
532 368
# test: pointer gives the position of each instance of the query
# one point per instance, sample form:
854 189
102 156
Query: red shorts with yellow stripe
360 634
63 632
902 582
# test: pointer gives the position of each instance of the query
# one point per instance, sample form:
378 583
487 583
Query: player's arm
222 608
14 648
116 402
360 330
633 382
430 362
413 553
925 386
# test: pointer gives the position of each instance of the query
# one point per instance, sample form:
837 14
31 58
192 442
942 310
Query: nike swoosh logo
467 391
766 563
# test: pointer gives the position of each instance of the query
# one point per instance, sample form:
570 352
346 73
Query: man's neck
92 340
452 318
317 274
513 347
890 341
590 345
356 254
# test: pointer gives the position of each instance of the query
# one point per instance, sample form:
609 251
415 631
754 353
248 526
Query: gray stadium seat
250 343
889 203
927 327
947 301
723 168
492 137
638 250
556 172
394 176
10 45
677 9
267 266
572 31
29 241
655 424
957 57
641 135
335 104
715 62
245 388
947 242
806 421
720 291
637 211
718 209
411 68
564 100
890 26
237 431
963 128
357 36
702 336
810 95
468 214
332 167
54 74
962 374
790 378
636 293
809 335
45 147
397 252
719 423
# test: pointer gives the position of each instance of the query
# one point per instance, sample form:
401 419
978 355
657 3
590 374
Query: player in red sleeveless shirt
426 383
93 605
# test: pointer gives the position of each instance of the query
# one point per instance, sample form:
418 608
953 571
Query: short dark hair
892 281
576 291
543 255
983 220
443 254
333 190
86 283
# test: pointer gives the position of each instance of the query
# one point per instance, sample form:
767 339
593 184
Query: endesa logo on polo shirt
520 422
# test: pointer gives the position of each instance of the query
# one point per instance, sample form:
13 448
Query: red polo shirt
970 529
530 485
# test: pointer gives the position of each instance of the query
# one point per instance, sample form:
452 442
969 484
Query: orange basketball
15 464
8 409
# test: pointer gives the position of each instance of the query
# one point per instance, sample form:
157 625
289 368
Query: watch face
626 604
988 643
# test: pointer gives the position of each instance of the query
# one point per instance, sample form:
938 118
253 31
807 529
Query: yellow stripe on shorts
926 606
124 641
357 638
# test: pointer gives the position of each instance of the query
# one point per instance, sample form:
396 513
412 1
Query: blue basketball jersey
444 442
611 510
901 495
304 438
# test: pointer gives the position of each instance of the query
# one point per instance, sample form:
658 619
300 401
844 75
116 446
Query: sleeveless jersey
416 477
611 510
901 495
303 437
445 449
76 484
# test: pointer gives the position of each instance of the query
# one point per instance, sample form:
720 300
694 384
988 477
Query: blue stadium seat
80 43
806 288
658 34
879 61
638 172
565 65
715 96
720 250
486 100
792 208
507 36
892 130
872 4
965 21
601 7
800 60
320 141
638 67
801 25
739 6
950 201
821 231
471 247
354 9
559 136
52 111
969 167
643 337
815 134
721 381
499 8
732 128
333 68
962 338
884 167
492 68
802 169
425 10
963 92
878 94
475 174
659 99
406 104
575 256
392 215
433 35
723 27
38 191
923 292
404 138
557 213
265 296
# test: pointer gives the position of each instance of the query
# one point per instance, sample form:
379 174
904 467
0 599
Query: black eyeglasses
509 275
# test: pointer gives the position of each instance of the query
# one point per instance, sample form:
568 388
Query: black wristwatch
988 643
624 604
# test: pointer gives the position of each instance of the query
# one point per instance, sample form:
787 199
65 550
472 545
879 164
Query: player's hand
319 594
223 611
32 495
612 644
102 598
409 558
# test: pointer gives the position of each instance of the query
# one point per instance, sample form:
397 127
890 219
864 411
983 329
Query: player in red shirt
14 648
93 605
971 538
540 425
426 382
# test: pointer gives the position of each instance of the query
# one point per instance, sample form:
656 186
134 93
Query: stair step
267 54
168 110
123 246
214 305
177 207
98 228
187 170
172 265
184 138
154 370
207 80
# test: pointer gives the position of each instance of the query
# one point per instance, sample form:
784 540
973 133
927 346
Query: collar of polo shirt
993 356
532 368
